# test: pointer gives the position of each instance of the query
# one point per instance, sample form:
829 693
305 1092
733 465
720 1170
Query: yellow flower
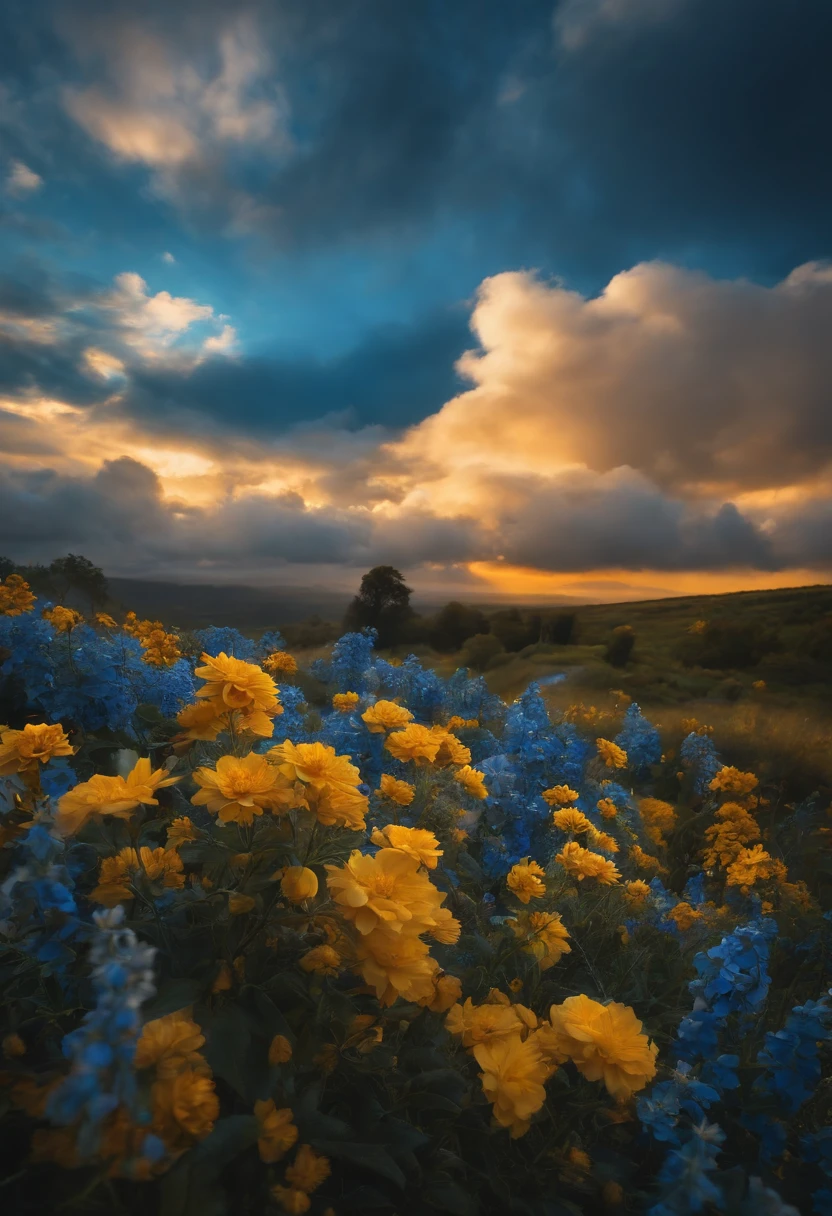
581 1160
730 780
525 880
161 649
280 662
698 627
239 905
239 685
684 916
185 1107
446 928
483 1023
34 744
116 796
513 1076
758 685
571 820
451 751
417 842
386 715
472 781
62 619
387 890
400 792
544 936
15 596
331 781
396 964
583 863
637 890
321 960
345 702
612 1193
612 755
751 865
605 1042
114 876
277 1131
458 835
559 795
308 1170
447 990
607 808
658 818
13 1047
734 828
204 720
105 620
299 883
457 723
180 830
280 1050
645 861
293 1201
169 1043
240 788
602 840
415 742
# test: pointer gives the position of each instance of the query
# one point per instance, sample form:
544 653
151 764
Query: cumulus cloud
703 385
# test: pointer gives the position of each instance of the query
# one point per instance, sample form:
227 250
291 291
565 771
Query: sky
527 299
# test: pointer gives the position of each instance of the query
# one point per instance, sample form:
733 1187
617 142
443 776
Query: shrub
478 651
620 646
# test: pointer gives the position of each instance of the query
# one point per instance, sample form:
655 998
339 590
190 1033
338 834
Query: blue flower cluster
698 754
640 740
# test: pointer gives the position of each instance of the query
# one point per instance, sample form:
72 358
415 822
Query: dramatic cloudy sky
525 297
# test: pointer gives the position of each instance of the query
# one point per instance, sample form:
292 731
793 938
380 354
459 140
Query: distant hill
197 605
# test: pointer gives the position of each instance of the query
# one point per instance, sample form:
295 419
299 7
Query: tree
76 573
479 650
620 646
560 630
7 567
382 603
515 633
453 624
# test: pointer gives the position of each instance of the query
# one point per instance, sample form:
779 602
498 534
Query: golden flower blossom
280 1050
387 890
105 620
237 684
605 1042
169 1043
612 755
734 828
645 861
396 964
544 936
280 662
451 750
472 781
417 842
15 596
299 883
457 723
753 865
658 817
458 835
483 1023
583 863
321 960
602 840
526 880
560 795
345 702
417 743
447 990
569 819
730 780
239 905
115 873
331 781
185 1107
291 1200
116 796
607 808
181 830
240 788
684 916
161 649
384 716
278 1133
400 792
34 744
637 890
62 619
204 720
513 1076
308 1170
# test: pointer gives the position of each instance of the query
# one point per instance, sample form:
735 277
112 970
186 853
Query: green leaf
190 1189
228 1038
172 996
370 1157
448 1197
433 1102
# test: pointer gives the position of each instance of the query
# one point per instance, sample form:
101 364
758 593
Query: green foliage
480 650
382 603
620 646
454 624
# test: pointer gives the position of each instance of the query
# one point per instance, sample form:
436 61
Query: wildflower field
401 948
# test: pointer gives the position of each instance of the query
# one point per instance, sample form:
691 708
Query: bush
512 630
620 646
453 624
561 630
478 651
729 643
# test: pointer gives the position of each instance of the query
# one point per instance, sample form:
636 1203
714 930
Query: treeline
66 578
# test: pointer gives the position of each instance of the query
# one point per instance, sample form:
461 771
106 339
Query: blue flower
640 740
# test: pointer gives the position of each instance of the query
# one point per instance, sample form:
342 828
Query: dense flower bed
370 941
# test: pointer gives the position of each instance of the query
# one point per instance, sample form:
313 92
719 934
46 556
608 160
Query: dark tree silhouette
382 603
76 573
7 567
454 624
